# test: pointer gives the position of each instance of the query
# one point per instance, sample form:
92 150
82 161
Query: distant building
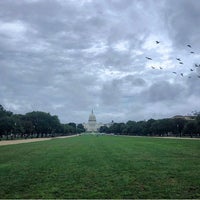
183 117
109 124
92 125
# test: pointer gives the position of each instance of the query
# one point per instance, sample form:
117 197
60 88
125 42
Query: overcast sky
67 57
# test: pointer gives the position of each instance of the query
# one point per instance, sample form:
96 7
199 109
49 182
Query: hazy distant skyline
67 57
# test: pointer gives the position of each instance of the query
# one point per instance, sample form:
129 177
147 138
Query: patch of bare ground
9 142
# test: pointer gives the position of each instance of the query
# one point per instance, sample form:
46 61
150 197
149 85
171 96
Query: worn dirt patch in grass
9 142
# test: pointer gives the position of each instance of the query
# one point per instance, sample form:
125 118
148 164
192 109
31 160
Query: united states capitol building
92 125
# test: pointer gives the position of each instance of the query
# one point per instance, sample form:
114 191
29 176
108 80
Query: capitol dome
92 117
92 126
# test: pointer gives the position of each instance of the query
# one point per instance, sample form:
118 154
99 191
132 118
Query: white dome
92 117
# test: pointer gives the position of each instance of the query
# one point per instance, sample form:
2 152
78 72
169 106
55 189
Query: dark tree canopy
161 127
34 124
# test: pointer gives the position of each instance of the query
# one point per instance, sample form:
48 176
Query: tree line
37 124
34 125
162 127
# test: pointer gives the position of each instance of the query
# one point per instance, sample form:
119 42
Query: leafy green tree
198 123
190 128
80 128
178 127
130 127
4 113
73 127
155 128
18 128
43 123
141 128
104 129
55 125
148 127
6 126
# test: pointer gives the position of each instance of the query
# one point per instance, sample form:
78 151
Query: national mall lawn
101 167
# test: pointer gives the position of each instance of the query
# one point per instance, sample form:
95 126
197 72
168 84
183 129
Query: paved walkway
9 142
181 138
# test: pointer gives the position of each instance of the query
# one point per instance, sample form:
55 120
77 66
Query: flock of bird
180 62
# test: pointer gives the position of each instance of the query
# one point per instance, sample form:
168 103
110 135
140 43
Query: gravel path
9 142
176 138
181 138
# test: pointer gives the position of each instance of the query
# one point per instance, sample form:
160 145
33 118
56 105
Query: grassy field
101 167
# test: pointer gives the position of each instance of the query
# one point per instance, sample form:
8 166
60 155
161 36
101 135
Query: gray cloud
164 91
67 57
183 20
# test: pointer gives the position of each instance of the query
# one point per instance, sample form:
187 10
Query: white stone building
92 125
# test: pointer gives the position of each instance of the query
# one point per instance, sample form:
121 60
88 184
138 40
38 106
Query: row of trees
162 127
34 124
41 124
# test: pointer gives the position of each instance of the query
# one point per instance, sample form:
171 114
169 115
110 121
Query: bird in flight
181 63
161 68
196 65
178 59
191 51
157 42
148 58
181 74
189 76
174 72
191 70
189 46
152 67
198 76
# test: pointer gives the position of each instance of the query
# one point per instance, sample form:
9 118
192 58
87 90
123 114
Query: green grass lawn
101 167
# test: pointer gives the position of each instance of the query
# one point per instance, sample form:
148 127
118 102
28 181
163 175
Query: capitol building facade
92 126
